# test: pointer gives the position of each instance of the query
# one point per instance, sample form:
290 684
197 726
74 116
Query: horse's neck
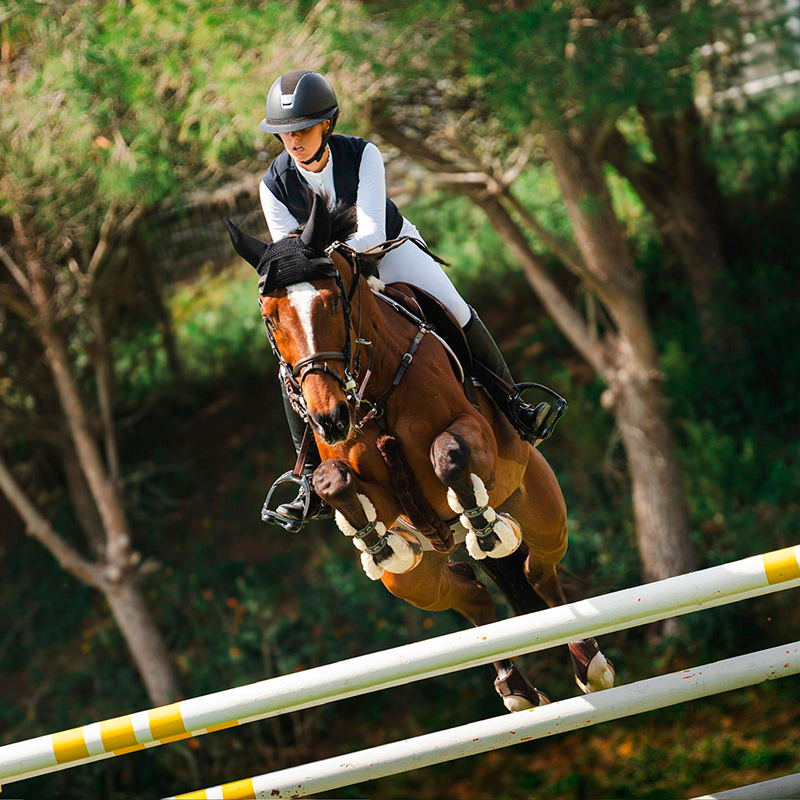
389 332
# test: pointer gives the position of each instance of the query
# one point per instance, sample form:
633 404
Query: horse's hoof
593 671
401 553
505 538
518 693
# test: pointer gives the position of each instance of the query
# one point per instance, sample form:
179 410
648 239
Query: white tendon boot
505 534
396 552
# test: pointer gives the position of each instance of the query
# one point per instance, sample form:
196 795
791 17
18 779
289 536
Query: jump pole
786 788
509 729
628 608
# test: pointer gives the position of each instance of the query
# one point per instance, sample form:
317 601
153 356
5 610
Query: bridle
293 375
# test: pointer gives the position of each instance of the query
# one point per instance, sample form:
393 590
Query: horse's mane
344 224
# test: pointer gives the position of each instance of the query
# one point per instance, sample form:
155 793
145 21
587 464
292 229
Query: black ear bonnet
294 259
289 261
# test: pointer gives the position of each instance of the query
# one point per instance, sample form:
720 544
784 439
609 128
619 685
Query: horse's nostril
342 416
335 425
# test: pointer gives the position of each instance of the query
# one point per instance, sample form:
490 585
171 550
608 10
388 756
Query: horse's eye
336 300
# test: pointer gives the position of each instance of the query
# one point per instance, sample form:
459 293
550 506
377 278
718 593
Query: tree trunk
143 639
632 366
635 397
118 581
681 192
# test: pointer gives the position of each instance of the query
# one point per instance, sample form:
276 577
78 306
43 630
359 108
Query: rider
301 113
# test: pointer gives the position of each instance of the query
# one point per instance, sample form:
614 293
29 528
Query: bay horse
422 450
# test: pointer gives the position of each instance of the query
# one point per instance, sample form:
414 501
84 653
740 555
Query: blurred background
616 185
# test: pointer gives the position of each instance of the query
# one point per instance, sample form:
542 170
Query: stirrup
546 415
288 523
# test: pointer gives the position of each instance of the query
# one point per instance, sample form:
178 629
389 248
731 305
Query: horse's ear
248 247
267 282
317 233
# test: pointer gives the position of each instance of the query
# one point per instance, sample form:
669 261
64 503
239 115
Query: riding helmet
297 100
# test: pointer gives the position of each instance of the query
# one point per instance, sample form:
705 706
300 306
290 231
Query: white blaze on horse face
301 296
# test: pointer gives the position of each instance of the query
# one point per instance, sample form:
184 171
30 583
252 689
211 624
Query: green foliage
135 100
219 332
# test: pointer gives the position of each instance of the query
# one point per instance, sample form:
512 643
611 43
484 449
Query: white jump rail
510 729
787 788
683 594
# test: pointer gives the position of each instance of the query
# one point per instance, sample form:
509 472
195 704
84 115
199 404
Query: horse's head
304 303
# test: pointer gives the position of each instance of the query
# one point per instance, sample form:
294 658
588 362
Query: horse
408 445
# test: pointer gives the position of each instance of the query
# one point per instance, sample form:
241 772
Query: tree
107 109
506 66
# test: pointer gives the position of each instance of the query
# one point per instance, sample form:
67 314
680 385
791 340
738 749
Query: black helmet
297 100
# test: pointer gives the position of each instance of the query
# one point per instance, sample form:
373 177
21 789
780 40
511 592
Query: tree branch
412 147
40 529
17 272
99 253
10 299
559 247
109 503
104 370
558 306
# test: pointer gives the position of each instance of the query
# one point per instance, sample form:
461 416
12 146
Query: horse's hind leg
464 459
539 506
438 586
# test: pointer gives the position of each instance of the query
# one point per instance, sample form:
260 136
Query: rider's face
301 145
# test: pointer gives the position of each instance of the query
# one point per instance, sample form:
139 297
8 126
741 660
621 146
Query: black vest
283 180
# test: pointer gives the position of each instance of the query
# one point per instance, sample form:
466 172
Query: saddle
429 309
507 396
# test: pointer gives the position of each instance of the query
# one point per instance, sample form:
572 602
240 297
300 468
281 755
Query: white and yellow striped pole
683 594
510 729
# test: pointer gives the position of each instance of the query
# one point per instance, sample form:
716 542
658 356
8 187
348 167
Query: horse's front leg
464 459
362 512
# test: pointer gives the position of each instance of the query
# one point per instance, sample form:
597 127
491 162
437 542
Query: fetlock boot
484 349
316 508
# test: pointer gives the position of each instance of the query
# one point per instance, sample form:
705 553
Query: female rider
302 112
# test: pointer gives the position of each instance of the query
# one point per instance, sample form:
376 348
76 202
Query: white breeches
409 264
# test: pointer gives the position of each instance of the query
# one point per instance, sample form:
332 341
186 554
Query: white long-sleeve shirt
370 201
407 263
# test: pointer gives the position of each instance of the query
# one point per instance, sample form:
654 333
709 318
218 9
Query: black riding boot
294 510
485 350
